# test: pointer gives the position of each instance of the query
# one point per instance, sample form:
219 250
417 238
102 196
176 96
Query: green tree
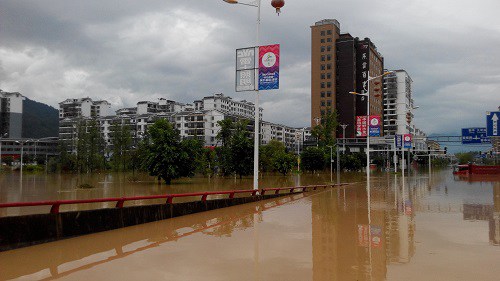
267 153
90 147
324 132
241 150
464 158
165 156
223 153
121 140
283 162
313 159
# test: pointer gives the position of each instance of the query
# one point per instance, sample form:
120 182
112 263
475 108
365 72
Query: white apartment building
84 108
399 107
226 104
11 114
197 120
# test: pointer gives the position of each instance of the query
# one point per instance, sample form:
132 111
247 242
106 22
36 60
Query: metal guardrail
169 197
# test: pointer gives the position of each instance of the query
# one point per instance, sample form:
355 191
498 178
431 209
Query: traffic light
408 117
445 150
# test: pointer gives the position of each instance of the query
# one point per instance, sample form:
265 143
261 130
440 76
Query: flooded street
424 227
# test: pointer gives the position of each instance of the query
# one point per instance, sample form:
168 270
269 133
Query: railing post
231 195
254 192
119 203
277 191
55 208
204 197
262 192
169 199
291 190
304 188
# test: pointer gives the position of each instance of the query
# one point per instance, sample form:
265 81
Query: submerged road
423 228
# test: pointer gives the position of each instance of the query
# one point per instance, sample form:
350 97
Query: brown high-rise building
323 67
341 64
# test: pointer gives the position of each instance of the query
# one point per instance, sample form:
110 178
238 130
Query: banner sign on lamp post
269 67
407 140
245 69
361 126
374 126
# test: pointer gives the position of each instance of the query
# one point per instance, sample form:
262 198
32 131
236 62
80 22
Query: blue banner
399 140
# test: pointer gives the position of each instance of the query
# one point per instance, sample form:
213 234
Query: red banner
361 126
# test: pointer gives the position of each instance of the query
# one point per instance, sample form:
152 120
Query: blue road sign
474 136
492 129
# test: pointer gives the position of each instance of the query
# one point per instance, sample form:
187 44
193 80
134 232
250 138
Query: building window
329 48
329 103
322 33
322 76
322 49
328 93
322 94
329 66
322 85
322 112
322 103
329 85
322 58
328 57
328 39
329 75
329 32
322 40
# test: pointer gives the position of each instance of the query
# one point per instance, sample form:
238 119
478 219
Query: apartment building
197 120
11 114
340 64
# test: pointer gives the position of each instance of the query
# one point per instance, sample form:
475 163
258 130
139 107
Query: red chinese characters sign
361 126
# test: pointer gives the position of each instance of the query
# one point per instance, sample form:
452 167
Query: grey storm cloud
127 51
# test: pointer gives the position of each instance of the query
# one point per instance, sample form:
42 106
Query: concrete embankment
22 231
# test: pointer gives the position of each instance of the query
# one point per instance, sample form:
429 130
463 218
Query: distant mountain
39 120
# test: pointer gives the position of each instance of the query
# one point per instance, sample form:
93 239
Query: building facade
340 64
11 114
197 120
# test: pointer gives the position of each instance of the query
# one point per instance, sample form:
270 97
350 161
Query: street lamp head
388 72
231 1
353 93
415 107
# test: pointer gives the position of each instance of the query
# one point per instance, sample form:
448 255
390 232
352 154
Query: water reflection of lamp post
317 120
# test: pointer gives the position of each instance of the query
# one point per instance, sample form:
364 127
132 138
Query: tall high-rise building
341 63
11 114
324 34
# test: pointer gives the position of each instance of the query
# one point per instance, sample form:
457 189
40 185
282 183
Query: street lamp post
257 111
367 95
343 136
1 138
331 163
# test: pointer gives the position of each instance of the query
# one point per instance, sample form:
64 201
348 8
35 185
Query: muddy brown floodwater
422 227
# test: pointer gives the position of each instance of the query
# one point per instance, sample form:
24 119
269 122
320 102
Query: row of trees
163 154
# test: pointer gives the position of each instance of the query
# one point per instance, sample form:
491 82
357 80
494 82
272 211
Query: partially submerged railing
54 209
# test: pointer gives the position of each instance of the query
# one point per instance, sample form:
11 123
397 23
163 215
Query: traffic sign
474 136
492 129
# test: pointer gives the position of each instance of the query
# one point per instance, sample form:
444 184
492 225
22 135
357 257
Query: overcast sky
125 51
